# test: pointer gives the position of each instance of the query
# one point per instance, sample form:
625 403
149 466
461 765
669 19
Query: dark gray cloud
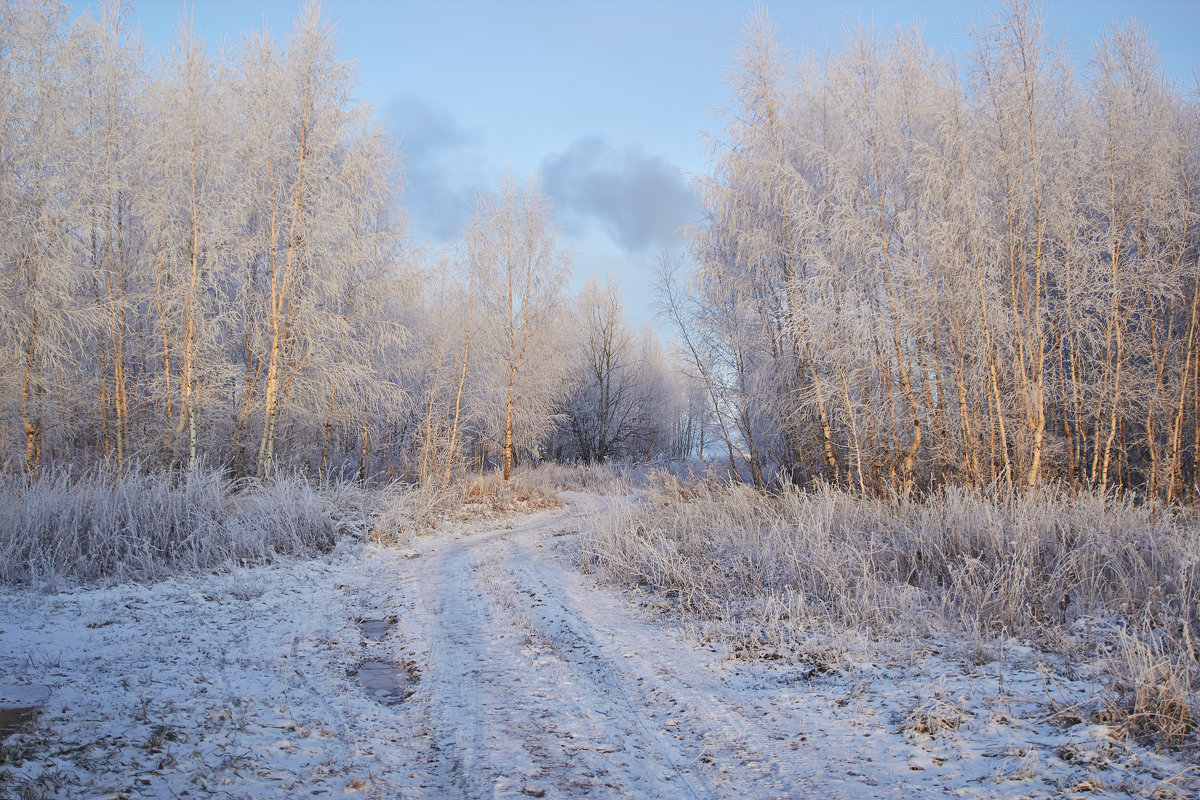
642 200
441 166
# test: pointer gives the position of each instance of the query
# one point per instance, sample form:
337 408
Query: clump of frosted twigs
613 478
143 526
405 510
762 570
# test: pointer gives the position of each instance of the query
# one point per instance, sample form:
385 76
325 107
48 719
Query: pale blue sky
606 99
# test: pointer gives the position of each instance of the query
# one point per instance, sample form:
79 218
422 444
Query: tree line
983 269
203 261
913 269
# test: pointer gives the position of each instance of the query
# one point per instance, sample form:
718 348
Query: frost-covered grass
766 570
609 479
135 525
145 526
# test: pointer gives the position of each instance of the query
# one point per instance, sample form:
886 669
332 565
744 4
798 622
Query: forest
913 270
918 271
204 262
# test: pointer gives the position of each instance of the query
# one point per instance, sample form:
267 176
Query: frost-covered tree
604 411
302 190
107 80
186 188
38 273
198 258
513 247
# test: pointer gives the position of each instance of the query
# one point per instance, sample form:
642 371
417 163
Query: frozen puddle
19 704
384 682
375 630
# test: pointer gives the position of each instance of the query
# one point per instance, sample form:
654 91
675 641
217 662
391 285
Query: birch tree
521 274
38 271
186 192
299 207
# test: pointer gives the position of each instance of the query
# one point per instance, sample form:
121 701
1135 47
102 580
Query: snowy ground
481 663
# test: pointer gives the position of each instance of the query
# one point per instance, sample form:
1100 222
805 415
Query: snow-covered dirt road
482 663
538 683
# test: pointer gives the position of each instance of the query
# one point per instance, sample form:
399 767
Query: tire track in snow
575 644
487 703
708 718
457 613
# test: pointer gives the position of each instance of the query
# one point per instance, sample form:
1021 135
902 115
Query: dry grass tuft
933 715
609 479
1155 689
490 494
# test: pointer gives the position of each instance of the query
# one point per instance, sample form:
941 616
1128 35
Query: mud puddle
19 704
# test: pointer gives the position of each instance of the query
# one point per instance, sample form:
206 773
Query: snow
512 674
